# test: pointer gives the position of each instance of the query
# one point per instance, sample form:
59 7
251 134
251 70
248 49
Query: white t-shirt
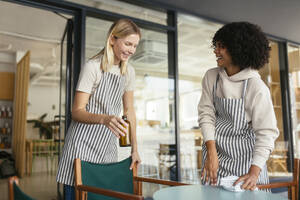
91 74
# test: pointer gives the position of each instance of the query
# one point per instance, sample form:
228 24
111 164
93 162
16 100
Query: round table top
201 192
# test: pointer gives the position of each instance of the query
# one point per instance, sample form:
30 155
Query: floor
40 185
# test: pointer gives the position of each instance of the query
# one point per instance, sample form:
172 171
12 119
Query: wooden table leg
30 157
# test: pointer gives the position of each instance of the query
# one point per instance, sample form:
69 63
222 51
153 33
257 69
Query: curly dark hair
246 43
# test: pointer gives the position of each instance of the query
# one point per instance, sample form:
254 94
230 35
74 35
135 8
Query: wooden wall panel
20 112
7 84
274 63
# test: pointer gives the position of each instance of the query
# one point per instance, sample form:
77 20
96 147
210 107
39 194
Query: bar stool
167 160
42 148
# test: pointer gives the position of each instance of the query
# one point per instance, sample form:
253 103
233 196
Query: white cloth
90 76
227 184
258 107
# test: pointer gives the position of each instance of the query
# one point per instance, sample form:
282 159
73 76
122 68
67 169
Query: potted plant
45 128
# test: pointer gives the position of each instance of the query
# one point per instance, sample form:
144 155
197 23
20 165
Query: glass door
65 90
270 74
195 57
294 79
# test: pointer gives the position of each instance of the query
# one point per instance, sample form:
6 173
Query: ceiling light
5 47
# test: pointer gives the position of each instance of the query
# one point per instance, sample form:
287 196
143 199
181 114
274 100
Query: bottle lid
124 117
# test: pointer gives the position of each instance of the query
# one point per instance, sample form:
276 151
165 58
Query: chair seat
280 179
285 182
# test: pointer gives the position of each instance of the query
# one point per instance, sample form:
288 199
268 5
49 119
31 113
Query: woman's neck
232 70
116 61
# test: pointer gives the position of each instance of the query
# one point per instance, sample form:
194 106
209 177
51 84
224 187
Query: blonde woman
105 83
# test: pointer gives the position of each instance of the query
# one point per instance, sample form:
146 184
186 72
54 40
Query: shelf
8 150
4 135
6 100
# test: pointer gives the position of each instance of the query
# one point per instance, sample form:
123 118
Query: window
124 8
195 57
294 79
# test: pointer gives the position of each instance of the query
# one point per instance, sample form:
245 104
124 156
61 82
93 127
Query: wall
41 100
7 62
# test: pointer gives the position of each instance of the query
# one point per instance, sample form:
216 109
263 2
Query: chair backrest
14 192
113 176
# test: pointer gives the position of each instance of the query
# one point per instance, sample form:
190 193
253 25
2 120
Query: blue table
201 192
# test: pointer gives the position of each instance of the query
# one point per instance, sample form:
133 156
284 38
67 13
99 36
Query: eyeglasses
218 45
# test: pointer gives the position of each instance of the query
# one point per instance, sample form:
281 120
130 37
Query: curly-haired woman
236 114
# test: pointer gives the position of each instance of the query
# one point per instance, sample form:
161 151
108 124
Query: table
201 192
47 148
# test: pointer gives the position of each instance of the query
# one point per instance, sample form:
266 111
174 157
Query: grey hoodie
258 107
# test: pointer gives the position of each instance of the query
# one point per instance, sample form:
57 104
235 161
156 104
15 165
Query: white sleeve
264 125
130 79
87 77
206 111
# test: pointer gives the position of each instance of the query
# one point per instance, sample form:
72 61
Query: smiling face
223 57
124 47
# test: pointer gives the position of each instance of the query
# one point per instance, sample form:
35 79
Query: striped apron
234 137
93 142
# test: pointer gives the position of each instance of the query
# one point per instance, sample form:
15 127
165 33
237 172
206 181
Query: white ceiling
276 17
24 28
38 31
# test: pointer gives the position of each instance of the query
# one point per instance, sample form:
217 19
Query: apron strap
215 86
245 87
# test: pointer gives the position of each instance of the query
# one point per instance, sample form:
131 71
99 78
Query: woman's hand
211 164
249 179
210 168
116 125
135 160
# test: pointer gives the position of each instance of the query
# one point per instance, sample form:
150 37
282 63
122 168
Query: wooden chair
14 192
111 180
293 186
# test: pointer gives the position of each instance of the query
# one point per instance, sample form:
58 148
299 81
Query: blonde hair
120 29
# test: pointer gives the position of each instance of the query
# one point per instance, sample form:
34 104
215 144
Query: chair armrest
11 181
158 181
111 193
276 185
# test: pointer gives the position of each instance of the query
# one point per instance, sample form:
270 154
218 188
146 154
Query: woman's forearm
211 146
132 120
88 118
133 133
